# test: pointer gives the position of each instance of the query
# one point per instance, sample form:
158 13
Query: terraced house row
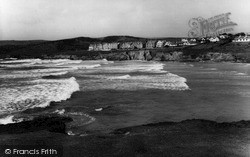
126 45
150 44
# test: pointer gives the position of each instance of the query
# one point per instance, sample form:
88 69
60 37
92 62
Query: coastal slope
77 48
187 138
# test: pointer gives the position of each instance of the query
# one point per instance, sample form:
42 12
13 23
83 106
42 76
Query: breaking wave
166 81
132 75
22 61
120 77
132 66
52 62
211 69
27 74
38 93
241 74
40 68
17 93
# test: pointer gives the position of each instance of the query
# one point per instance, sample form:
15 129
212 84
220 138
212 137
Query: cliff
77 48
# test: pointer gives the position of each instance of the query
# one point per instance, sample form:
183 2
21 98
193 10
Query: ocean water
104 95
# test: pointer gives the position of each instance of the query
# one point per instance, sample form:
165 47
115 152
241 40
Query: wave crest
166 81
38 93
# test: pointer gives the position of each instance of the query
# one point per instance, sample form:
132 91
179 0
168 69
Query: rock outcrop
142 55
137 55
149 55
220 57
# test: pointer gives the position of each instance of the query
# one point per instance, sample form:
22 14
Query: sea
101 95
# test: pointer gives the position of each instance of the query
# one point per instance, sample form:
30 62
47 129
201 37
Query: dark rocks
147 55
116 56
164 56
169 56
220 57
159 56
156 55
176 56
143 55
136 55
216 57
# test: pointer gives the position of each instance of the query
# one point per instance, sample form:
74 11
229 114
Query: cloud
55 19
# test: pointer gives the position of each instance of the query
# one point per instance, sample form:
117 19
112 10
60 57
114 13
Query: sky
60 19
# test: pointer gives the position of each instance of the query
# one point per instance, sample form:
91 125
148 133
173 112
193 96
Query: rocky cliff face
216 57
167 56
148 55
142 55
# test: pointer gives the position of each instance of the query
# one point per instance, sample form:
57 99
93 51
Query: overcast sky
58 19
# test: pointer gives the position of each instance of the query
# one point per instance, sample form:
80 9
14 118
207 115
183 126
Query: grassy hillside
20 42
37 49
79 46
121 39
240 50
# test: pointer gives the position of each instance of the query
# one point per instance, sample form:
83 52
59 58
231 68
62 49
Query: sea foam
38 93
21 61
131 66
120 77
132 75
241 74
166 81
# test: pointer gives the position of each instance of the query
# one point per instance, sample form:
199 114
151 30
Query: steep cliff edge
77 48
166 56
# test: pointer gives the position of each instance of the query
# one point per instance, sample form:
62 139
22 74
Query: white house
189 43
170 44
214 39
193 40
91 47
160 43
245 38
223 36
203 40
184 40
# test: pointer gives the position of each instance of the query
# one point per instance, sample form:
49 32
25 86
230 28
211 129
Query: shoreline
142 55
218 58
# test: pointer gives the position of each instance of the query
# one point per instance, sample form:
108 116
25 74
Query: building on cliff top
214 39
170 44
151 44
245 38
187 42
126 45
91 47
103 46
109 46
160 43
138 45
99 46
